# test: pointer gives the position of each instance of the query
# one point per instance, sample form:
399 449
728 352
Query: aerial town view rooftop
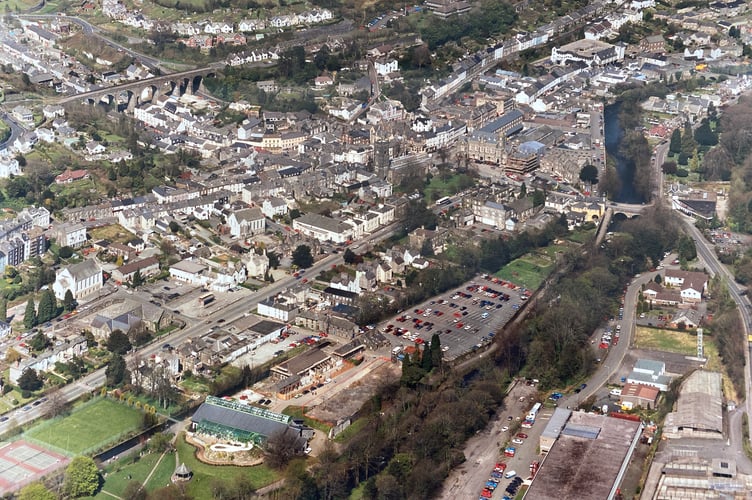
375 250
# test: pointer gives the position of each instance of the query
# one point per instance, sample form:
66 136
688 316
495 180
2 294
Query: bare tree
56 404
281 447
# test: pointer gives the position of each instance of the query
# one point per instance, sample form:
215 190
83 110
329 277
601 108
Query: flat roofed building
553 429
699 409
587 460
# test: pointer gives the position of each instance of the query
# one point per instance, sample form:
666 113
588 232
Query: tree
160 442
669 167
36 491
47 307
426 362
137 280
174 226
11 356
349 256
688 144
657 279
3 309
539 198
675 145
29 380
135 491
302 257
281 447
65 252
705 136
30 315
69 303
118 343
116 370
436 353
81 477
39 342
686 248
589 174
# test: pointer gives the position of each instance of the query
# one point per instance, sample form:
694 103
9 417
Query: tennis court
22 462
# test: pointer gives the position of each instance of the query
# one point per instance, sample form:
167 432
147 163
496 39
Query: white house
9 166
81 279
386 66
323 228
280 310
70 234
246 222
691 284
274 206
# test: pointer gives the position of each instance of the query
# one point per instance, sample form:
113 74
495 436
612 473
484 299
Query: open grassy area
298 412
528 271
88 427
205 475
113 233
125 470
438 187
665 340
17 5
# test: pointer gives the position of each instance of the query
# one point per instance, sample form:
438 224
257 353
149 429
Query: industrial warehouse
587 455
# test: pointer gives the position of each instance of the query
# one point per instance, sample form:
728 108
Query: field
528 271
88 427
206 476
683 343
17 5
113 233
124 471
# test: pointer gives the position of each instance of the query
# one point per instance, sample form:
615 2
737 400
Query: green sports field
528 271
88 427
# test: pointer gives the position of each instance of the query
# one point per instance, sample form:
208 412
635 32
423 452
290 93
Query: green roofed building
236 421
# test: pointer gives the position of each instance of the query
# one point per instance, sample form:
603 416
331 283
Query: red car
522 435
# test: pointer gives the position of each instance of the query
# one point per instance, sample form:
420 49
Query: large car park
465 318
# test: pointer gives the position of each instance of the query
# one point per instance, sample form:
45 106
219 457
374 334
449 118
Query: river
625 168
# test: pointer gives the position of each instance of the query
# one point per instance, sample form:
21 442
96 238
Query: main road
233 311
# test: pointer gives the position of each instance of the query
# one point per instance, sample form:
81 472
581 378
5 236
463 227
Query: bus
205 299
446 200
533 412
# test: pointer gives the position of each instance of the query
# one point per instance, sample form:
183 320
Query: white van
510 474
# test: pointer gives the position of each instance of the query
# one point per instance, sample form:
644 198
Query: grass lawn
354 428
118 474
88 427
204 475
684 343
113 233
297 412
16 5
439 188
581 235
525 273
665 340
